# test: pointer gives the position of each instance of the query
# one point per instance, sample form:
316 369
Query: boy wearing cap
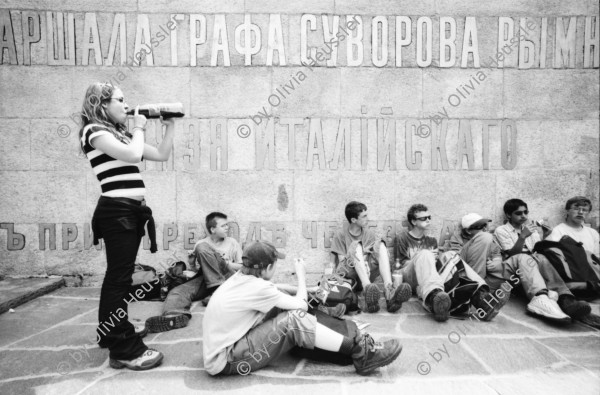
418 254
361 256
249 323
219 257
517 239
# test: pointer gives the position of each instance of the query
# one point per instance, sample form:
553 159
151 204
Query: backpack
143 277
570 259
334 290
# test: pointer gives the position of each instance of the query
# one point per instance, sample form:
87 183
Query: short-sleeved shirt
507 236
237 306
407 245
342 240
229 248
585 235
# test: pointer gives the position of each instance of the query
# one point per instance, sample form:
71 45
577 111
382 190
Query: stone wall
280 135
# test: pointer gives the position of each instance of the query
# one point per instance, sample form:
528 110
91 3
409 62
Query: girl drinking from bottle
120 214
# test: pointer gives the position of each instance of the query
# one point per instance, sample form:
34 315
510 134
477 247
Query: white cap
473 219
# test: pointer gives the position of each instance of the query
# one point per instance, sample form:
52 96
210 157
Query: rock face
293 110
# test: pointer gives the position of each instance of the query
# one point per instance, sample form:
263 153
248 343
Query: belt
125 200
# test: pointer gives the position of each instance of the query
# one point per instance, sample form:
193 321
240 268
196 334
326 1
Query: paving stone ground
47 347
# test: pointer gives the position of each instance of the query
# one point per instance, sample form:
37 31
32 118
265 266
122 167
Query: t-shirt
230 248
407 245
585 235
342 240
237 306
117 178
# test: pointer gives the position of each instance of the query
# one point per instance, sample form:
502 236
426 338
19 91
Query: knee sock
330 340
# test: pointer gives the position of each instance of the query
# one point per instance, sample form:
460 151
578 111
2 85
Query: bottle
166 110
397 273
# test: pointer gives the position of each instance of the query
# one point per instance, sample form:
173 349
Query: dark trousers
119 229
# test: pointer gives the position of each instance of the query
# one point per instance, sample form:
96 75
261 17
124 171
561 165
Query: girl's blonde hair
92 111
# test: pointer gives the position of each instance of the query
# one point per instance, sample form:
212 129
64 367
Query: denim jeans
269 340
120 231
179 300
214 273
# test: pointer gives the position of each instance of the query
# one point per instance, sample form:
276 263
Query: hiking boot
369 355
372 296
572 307
337 311
591 319
489 303
545 307
439 303
396 296
163 323
148 360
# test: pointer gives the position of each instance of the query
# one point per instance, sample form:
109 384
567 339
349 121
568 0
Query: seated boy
218 256
418 255
517 239
249 323
360 256
578 209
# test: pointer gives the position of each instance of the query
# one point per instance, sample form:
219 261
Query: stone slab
581 350
513 355
54 384
40 314
16 291
22 363
547 382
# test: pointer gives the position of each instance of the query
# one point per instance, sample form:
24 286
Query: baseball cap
472 219
260 254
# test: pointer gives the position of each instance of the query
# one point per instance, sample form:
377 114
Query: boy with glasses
517 239
578 209
418 254
578 257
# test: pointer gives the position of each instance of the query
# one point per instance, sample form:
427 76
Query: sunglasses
119 99
423 218
478 227
519 213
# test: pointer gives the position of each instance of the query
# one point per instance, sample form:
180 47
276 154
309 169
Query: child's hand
167 121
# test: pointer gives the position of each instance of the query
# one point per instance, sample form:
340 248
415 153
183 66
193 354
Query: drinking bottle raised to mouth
166 110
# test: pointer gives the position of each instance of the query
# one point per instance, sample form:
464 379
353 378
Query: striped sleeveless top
117 178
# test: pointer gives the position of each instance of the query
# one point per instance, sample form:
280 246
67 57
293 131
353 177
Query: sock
542 292
329 340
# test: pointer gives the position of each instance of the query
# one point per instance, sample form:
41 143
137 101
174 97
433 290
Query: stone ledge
16 291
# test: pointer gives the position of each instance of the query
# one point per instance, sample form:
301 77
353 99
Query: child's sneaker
163 323
396 296
372 296
369 355
572 307
439 302
489 304
148 360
